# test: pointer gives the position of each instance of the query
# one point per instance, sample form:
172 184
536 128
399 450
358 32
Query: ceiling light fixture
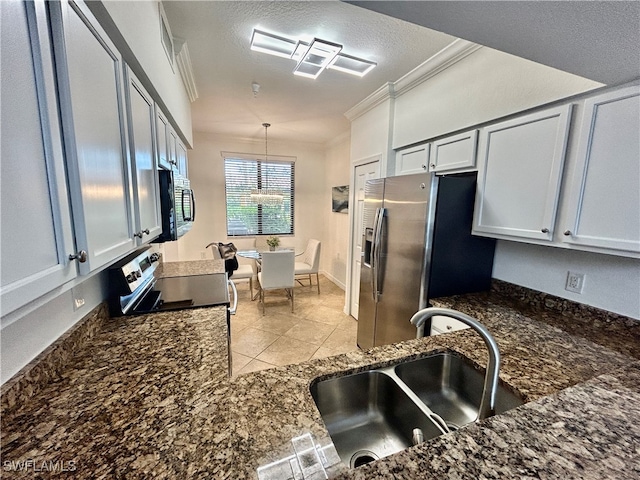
312 57
266 196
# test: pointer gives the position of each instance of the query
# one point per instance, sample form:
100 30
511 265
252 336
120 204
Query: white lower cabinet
141 121
412 160
520 164
454 154
36 234
90 83
604 192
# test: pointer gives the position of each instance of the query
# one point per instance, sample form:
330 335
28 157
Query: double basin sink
376 413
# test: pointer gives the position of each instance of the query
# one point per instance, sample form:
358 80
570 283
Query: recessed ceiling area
218 35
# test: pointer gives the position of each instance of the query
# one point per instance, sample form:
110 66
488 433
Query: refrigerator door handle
373 255
376 253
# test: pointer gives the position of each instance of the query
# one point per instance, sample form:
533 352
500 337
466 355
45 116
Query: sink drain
361 457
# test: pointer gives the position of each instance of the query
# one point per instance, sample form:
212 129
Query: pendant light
266 195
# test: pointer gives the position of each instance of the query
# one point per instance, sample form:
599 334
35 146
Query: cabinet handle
138 234
545 230
81 256
566 233
424 167
449 327
433 165
146 231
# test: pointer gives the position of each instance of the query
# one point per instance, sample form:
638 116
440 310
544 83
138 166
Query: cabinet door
141 120
162 127
36 234
181 153
90 82
172 138
412 160
520 165
605 190
454 154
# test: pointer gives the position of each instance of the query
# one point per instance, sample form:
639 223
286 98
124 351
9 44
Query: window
244 216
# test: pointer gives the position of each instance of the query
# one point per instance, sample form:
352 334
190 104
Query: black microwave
177 205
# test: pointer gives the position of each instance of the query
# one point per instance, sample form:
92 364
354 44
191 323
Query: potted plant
273 242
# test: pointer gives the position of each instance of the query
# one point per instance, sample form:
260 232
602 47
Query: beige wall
206 172
335 246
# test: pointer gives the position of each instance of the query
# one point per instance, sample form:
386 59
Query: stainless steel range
135 289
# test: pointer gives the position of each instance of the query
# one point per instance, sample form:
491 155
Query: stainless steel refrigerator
417 245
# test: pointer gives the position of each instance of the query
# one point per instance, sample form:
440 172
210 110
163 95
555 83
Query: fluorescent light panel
352 65
272 44
312 58
318 55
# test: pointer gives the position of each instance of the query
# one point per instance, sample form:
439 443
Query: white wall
139 23
371 134
485 85
611 283
206 172
335 247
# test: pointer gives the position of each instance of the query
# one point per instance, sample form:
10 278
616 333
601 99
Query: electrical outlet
575 282
77 293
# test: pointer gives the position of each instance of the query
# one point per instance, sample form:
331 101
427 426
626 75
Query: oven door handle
233 309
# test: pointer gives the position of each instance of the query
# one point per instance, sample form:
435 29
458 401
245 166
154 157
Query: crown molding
183 59
376 98
448 56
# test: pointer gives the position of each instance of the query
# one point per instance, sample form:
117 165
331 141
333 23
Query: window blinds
245 218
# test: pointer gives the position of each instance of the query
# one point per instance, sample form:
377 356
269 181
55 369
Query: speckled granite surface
148 397
194 267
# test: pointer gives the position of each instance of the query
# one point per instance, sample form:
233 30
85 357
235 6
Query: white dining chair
309 263
244 271
277 273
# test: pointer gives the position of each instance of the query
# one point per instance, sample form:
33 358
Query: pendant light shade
265 195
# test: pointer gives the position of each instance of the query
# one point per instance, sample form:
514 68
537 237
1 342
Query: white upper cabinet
520 165
412 160
37 237
162 127
141 121
604 193
181 157
454 154
90 87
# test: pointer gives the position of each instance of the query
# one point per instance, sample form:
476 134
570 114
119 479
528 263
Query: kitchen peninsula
149 397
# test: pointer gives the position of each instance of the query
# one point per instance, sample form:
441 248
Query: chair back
215 251
277 269
312 254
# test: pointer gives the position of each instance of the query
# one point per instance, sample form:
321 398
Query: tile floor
317 328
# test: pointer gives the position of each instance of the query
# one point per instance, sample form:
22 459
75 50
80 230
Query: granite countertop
148 397
188 268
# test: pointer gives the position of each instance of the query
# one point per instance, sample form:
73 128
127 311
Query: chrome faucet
488 403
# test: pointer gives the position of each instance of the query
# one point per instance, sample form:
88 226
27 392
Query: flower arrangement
273 242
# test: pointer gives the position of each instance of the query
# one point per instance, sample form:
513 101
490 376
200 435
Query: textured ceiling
598 40
301 109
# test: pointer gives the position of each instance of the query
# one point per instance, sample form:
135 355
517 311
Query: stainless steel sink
373 414
450 386
369 416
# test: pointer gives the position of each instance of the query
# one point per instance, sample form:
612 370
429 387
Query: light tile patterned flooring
317 328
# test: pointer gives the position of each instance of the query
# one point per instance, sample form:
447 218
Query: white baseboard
333 279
